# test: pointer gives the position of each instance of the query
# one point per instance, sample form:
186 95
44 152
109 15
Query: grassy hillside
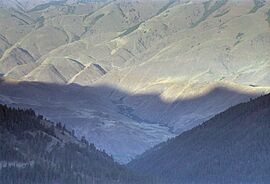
178 51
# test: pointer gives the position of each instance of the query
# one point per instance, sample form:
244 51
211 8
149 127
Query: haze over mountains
34 150
232 147
130 74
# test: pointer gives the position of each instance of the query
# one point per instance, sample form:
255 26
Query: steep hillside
33 5
232 147
34 150
123 38
166 66
90 112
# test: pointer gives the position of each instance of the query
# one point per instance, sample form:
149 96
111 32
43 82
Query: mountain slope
90 112
134 35
188 57
34 150
232 147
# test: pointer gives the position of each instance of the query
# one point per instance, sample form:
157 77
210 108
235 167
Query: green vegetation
222 13
47 5
97 18
209 10
239 35
1 53
268 17
17 121
21 19
257 5
130 30
34 150
92 23
238 38
232 147
133 28
164 8
40 22
71 9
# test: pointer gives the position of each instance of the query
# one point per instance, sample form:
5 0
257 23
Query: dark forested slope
232 147
35 151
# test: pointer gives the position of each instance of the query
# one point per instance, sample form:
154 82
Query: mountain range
131 74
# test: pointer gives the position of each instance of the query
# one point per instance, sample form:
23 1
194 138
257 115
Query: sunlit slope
78 31
46 35
176 63
222 48
226 46
217 40
34 5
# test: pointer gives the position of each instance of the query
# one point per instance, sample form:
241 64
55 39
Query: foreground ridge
232 147
36 151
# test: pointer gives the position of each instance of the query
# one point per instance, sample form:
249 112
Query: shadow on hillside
123 124
50 99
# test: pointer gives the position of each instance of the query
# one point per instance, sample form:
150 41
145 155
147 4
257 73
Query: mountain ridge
102 113
176 50
35 150
231 147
